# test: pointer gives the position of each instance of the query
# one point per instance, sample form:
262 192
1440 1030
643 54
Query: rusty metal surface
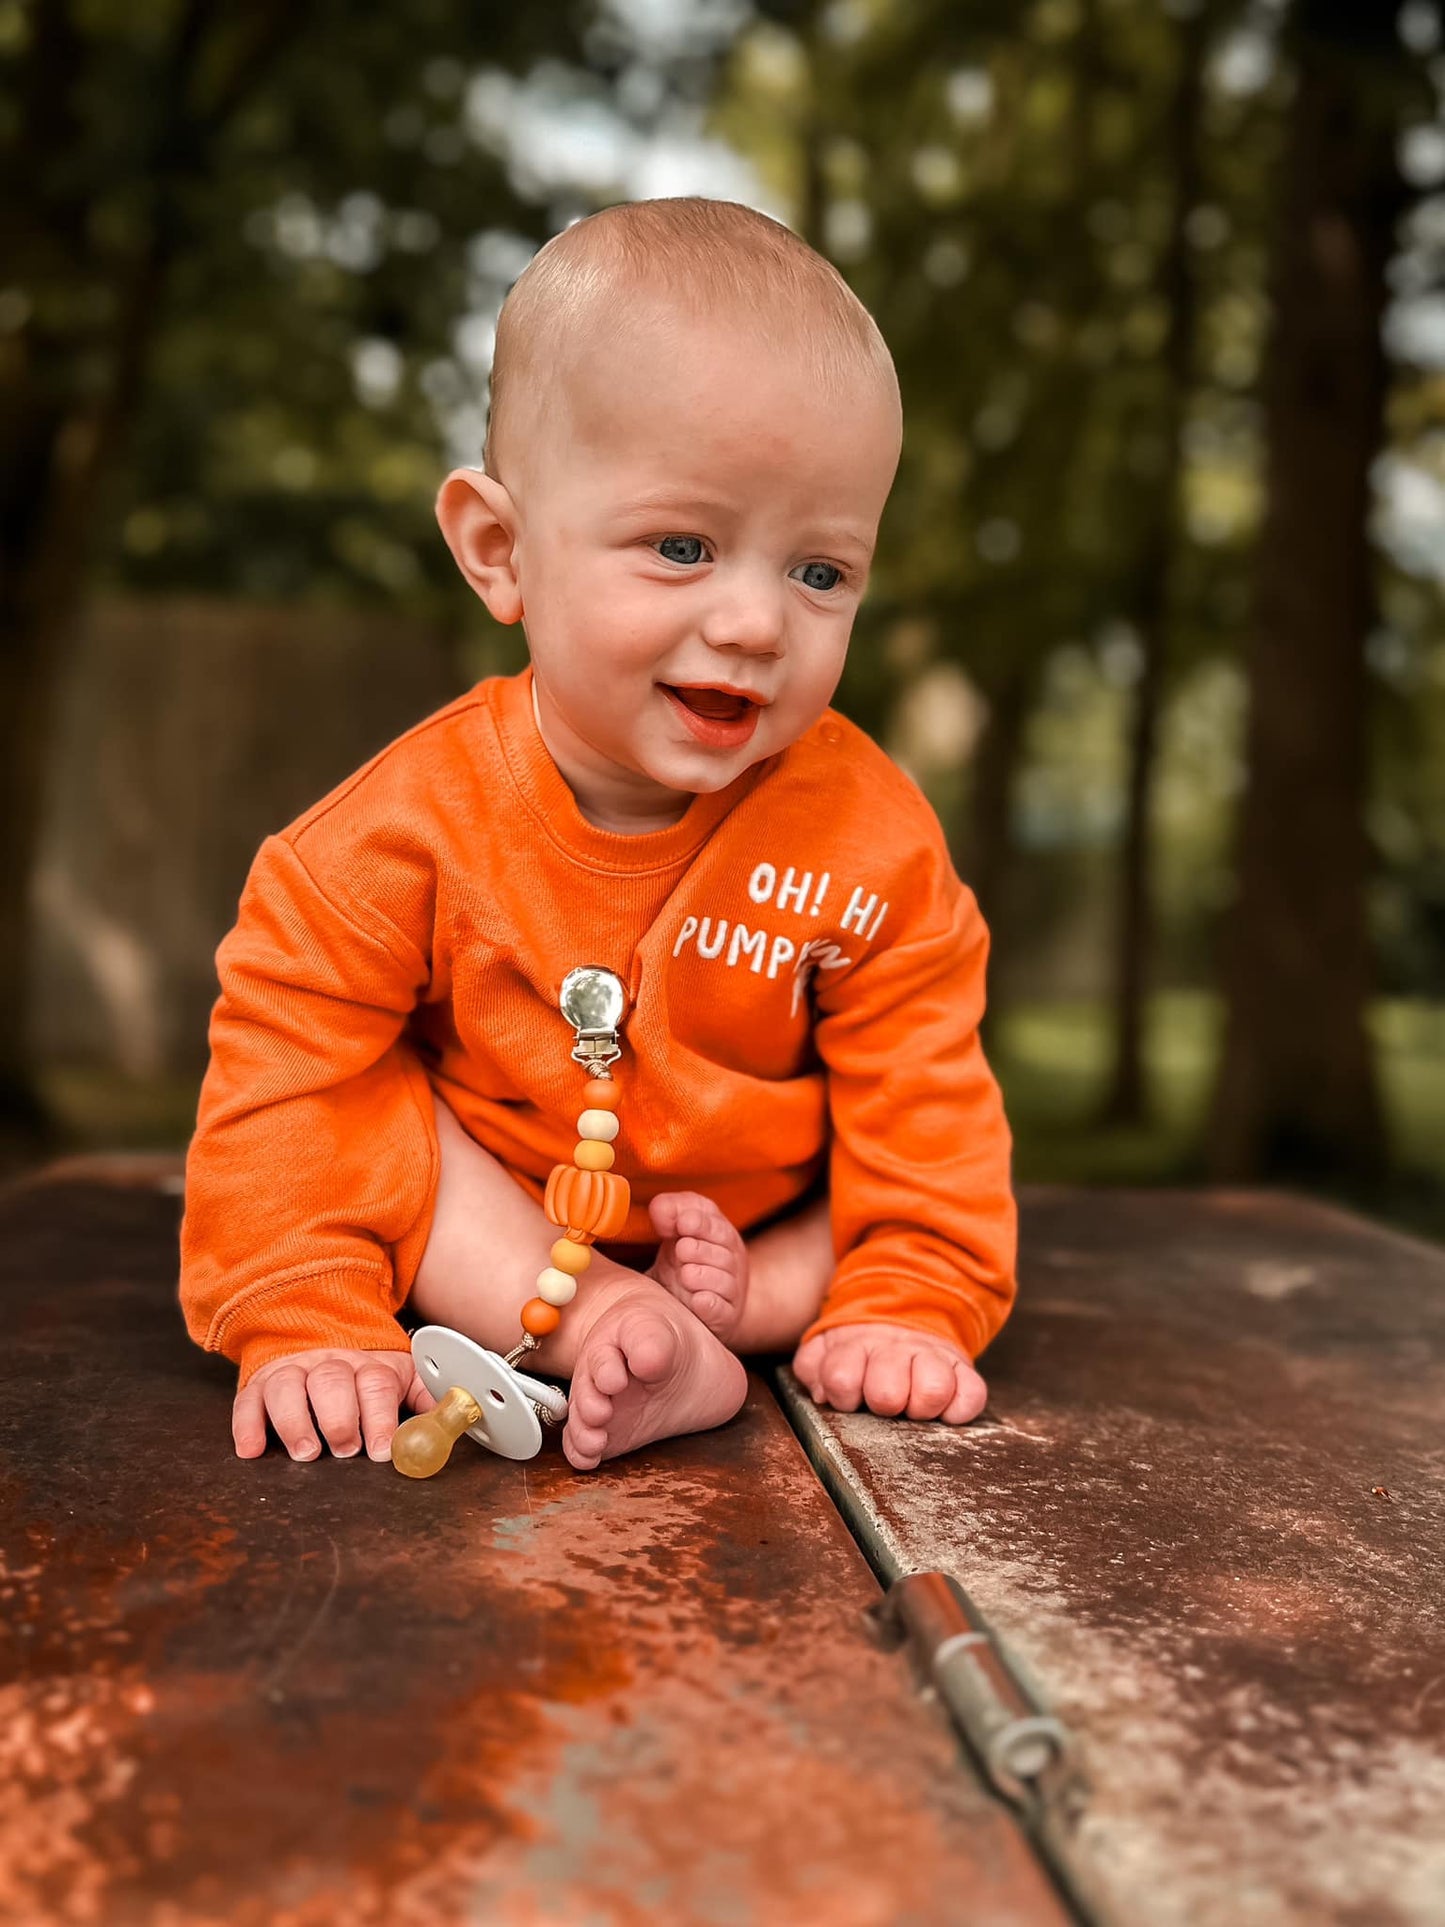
1171 1520
282 1696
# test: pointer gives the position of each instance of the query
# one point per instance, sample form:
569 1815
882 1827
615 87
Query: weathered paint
274 1695
1170 1520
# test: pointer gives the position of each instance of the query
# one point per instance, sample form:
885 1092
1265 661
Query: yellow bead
556 1287
592 1156
567 1256
601 1125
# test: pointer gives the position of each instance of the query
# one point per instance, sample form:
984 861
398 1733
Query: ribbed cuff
304 1312
879 1298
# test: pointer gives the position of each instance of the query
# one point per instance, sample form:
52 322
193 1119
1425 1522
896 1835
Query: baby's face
700 517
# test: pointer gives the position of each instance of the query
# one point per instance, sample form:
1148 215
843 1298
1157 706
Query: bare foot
702 1260
893 1370
646 1369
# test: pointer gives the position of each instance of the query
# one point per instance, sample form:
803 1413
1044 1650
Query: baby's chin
705 775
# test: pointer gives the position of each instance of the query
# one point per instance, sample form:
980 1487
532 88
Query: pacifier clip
477 1391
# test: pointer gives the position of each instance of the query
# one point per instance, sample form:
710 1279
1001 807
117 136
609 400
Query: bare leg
791 1265
488 1241
642 1366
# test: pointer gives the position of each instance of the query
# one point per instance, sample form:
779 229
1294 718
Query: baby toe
663 1212
591 1406
709 1307
584 1446
608 1370
713 1278
705 1251
652 1347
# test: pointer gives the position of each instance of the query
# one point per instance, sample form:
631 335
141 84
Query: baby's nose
746 614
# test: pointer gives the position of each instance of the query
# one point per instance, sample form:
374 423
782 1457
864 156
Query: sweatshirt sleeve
314 1151
923 1217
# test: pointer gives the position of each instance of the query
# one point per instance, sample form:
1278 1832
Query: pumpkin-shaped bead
602 1125
570 1257
539 1318
602 1093
557 1287
590 1201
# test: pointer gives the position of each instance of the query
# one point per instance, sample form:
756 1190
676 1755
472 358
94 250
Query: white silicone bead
556 1286
602 1125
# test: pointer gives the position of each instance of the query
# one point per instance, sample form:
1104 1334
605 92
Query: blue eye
812 571
681 548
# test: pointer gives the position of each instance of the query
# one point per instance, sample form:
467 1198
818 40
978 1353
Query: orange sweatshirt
806 977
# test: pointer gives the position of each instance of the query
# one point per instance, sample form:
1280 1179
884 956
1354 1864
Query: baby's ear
479 520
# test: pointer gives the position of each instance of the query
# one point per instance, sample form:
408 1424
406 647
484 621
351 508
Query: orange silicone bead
569 1256
601 1094
592 1155
593 1201
539 1318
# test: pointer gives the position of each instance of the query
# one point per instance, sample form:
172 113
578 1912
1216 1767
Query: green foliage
1001 187
995 184
314 191
340 217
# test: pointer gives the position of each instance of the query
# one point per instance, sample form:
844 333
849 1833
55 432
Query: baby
695 425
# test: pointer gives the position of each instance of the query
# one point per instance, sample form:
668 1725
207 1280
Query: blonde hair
689 258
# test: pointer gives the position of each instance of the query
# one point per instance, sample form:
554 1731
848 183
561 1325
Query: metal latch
1027 1754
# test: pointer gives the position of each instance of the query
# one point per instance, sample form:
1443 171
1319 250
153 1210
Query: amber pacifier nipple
424 1444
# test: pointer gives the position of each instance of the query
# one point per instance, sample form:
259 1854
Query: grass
1053 1062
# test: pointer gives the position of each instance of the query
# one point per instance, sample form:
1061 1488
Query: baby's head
695 424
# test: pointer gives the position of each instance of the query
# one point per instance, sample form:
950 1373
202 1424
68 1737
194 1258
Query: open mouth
717 705
717 718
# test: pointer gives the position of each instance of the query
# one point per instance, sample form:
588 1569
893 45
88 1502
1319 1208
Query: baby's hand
891 1369
349 1392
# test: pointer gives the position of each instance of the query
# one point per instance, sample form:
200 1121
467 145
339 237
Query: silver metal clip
594 1002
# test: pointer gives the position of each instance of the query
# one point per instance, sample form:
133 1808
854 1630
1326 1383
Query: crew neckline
545 791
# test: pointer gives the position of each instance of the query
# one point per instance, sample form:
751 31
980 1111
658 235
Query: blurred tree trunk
1010 698
68 398
1127 1098
1297 1093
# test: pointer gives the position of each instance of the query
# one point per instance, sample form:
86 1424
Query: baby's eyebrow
673 503
835 537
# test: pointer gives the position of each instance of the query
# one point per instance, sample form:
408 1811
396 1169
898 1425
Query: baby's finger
377 1389
285 1393
888 1380
841 1375
805 1366
935 1380
331 1387
969 1399
418 1398
248 1421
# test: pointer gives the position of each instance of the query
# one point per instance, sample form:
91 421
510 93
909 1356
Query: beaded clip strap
585 1198
587 1201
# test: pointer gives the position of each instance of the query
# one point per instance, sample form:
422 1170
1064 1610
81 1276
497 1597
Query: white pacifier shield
508 1425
